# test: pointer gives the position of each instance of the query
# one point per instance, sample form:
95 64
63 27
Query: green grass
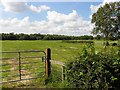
60 51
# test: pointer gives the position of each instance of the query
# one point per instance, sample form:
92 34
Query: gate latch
43 58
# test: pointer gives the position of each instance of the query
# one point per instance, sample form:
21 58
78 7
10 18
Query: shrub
94 70
81 41
114 44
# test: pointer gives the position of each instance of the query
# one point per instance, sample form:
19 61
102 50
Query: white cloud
59 18
14 6
38 9
94 8
22 6
56 23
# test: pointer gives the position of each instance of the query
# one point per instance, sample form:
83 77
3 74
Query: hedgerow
79 41
94 70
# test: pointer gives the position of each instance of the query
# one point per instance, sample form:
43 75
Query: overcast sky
66 18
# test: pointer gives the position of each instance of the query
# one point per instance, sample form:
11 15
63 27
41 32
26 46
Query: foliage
98 37
114 44
107 20
81 41
21 36
93 70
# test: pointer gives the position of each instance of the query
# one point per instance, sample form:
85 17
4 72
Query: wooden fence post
19 57
63 73
48 64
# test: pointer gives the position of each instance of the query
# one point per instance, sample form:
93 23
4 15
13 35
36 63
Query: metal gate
22 65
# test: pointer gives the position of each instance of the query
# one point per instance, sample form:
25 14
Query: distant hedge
80 41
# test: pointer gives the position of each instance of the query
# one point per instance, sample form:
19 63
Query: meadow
60 51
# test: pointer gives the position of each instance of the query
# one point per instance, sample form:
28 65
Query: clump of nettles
93 70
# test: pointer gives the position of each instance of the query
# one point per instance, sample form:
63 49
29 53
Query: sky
63 18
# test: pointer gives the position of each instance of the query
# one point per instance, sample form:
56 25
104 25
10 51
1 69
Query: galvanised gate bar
24 65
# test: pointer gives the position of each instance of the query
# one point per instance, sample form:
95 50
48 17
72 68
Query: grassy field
61 51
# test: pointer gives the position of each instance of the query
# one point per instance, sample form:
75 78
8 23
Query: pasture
61 51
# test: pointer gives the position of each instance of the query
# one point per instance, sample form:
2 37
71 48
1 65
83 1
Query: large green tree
107 20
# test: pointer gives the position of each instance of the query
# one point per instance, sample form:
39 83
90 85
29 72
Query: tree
98 37
12 36
107 20
26 37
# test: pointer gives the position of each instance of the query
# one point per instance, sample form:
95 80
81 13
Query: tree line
22 36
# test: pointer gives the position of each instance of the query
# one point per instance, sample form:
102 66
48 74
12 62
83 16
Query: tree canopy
107 20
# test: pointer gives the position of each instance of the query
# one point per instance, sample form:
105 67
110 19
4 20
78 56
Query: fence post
63 73
48 64
19 64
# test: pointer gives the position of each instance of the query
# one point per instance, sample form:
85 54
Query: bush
114 44
81 41
94 70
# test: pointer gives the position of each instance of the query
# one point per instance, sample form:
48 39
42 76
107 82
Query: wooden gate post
48 64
